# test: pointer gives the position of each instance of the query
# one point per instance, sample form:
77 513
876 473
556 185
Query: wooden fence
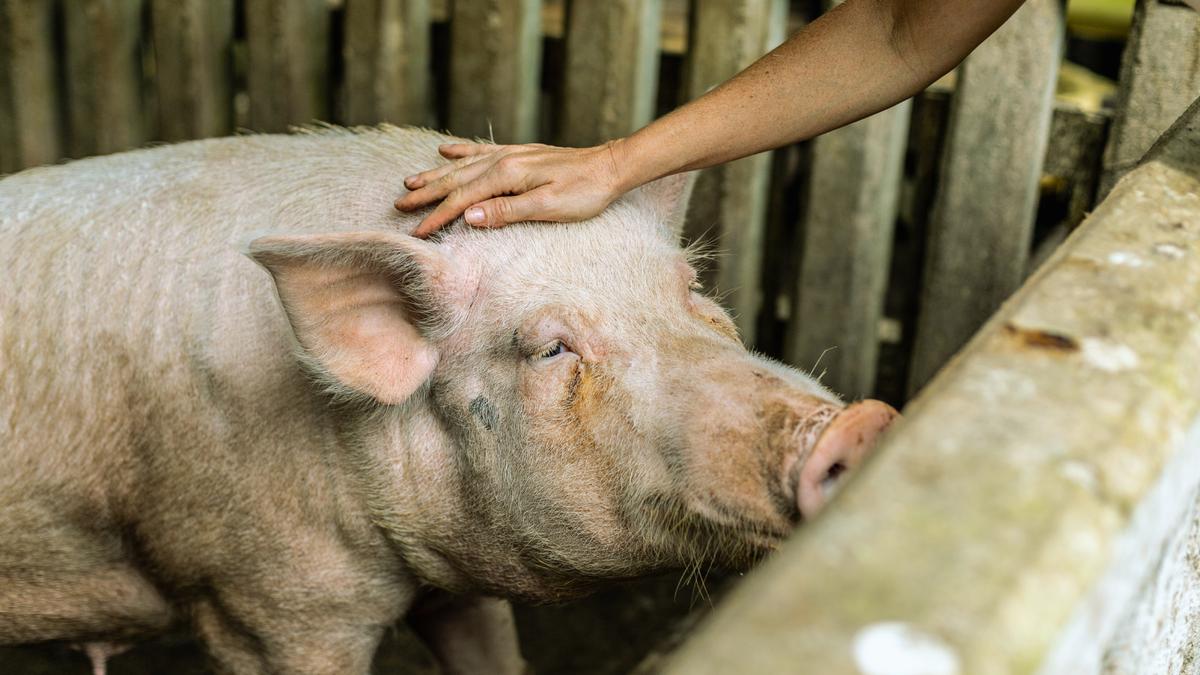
871 253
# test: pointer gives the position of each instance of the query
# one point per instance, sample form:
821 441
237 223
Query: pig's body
165 458
154 426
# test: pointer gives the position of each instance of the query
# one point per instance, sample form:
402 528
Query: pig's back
129 312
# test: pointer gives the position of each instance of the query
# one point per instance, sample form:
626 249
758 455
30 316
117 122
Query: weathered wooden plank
192 50
104 81
979 235
1160 76
848 225
612 69
30 122
1071 172
729 201
386 54
288 62
1077 140
990 510
496 60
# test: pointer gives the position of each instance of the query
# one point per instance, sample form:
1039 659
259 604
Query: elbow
902 25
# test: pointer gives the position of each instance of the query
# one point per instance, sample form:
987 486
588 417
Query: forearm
859 58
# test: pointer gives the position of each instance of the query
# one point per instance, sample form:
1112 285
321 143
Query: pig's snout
840 448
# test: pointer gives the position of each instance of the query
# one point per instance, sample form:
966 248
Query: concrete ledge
966 544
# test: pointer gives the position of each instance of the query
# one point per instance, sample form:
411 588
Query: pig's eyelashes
553 349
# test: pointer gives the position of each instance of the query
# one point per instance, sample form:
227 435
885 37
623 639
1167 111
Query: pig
236 396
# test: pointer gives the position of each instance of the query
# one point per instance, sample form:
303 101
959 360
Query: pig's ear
668 197
362 304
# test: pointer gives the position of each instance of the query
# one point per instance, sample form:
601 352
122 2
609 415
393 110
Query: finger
491 184
457 150
434 222
442 187
443 215
422 179
501 211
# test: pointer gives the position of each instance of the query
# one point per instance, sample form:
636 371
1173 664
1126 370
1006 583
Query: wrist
623 172
634 161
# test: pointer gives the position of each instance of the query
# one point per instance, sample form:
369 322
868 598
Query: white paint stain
1125 258
898 648
1082 474
1168 250
1000 384
1109 356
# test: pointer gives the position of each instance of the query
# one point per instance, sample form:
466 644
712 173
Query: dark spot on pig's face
484 412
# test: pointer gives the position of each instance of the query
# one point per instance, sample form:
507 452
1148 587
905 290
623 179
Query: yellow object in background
1083 88
1099 19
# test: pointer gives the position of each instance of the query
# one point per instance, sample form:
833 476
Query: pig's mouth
713 534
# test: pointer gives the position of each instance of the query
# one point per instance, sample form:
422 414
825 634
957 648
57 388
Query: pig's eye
553 349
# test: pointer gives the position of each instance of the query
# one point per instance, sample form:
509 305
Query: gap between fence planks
728 206
193 42
30 127
1160 76
104 76
979 235
288 64
495 63
386 57
612 69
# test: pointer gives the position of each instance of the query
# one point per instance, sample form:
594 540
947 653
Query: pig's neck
416 494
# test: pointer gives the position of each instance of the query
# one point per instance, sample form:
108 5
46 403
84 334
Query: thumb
502 211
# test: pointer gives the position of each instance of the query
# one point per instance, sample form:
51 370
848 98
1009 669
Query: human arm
857 59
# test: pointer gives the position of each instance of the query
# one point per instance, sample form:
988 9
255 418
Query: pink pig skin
235 394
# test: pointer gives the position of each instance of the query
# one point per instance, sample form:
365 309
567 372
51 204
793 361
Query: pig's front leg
469 635
259 639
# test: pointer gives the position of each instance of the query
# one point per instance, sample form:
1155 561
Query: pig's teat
841 448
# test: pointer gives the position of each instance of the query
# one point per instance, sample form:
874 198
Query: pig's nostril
829 483
842 446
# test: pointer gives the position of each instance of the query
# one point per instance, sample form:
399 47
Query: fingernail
474 215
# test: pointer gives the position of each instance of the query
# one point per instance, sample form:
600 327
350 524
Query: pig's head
551 405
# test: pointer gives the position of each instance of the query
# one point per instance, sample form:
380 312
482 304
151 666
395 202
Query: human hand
494 185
